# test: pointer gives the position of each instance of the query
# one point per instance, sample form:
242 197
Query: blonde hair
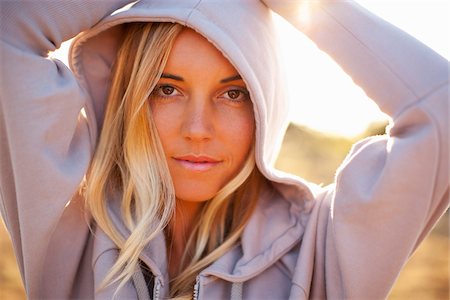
129 161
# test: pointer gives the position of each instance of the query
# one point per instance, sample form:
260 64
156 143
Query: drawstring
236 291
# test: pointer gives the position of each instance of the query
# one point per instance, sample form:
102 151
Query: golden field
315 157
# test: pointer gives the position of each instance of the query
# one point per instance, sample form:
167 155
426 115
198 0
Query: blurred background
325 122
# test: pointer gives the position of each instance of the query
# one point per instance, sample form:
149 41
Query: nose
198 123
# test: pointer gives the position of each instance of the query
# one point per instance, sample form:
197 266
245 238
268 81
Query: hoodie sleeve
45 142
390 190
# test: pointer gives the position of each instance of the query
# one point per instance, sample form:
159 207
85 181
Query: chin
194 197
192 193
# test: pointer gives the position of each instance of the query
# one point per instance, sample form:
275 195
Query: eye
165 91
236 95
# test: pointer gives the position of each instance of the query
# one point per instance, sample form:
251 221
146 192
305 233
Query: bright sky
323 96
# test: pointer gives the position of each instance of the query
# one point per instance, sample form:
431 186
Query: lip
197 162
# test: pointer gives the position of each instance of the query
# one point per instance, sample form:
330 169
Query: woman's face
204 117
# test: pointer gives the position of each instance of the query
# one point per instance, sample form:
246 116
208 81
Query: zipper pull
196 288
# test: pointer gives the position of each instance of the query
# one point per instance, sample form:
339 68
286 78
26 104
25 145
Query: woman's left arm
390 190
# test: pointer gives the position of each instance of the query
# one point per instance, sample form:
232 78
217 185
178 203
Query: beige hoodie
348 241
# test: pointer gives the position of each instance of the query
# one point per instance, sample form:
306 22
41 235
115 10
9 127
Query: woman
177 196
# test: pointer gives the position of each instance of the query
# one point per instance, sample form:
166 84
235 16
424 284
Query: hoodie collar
276 227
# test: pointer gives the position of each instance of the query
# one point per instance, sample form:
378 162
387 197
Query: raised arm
46 143
391 189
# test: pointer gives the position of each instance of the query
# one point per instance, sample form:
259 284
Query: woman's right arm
46 144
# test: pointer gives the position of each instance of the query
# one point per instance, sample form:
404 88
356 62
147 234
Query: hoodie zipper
156 291
196 288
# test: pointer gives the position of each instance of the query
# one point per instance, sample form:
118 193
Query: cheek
240 128
163 119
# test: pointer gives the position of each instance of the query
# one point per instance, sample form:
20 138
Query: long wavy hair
129 161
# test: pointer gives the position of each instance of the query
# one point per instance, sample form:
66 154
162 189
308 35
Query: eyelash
243 96
157 92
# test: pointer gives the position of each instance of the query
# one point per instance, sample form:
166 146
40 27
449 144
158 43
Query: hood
243 30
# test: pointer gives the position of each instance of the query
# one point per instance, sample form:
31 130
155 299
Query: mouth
197 163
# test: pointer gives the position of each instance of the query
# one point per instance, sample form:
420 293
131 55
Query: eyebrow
171 76
179 78
232 78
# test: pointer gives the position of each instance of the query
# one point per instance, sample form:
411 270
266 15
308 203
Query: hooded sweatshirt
348 240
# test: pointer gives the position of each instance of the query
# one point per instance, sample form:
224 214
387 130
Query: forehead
193 51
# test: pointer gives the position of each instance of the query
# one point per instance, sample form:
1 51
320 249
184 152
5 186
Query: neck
181 227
